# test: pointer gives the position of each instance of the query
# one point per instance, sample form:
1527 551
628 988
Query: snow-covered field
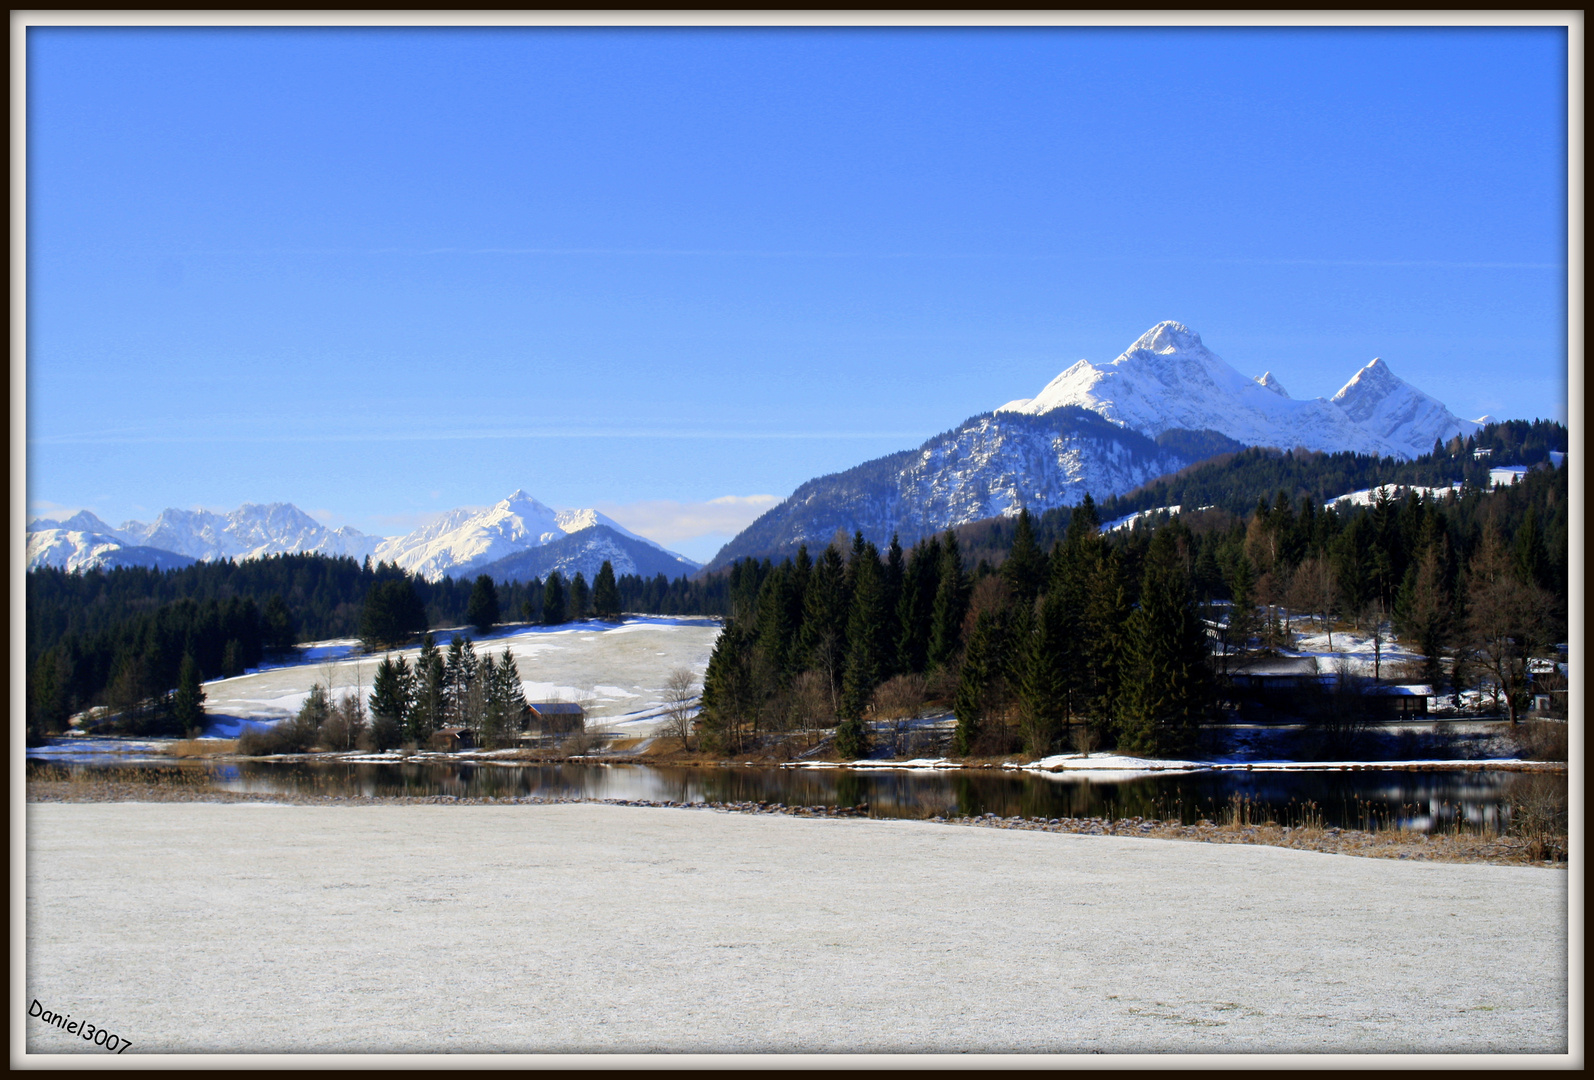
195 927
620 669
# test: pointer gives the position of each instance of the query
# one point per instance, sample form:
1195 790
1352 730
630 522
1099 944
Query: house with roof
555 717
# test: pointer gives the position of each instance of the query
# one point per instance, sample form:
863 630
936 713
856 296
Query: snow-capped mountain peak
1366 387
1166 337
1378 400
251 531
1267 381
1169 379
465 541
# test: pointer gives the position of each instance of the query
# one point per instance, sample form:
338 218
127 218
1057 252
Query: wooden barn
555 717
451 739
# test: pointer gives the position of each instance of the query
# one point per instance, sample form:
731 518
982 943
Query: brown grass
1541 740
189 748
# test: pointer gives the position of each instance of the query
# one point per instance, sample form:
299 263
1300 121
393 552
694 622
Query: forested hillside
118 637
1105 637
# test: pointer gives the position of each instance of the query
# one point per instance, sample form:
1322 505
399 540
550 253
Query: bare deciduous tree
1314 588
1506 621
681 694
898 702
812 702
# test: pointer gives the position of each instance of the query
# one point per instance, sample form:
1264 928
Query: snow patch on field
619 670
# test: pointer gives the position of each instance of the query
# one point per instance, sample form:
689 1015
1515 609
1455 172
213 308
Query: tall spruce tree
868 634
1168 700
1097 686
393 614
459 673
824 631
553 600
915 604
951 604
1024 570
775 631
430 702
481 611
894 579
606 594
977 678
580 597
1043 691
391 691
188 703
729 696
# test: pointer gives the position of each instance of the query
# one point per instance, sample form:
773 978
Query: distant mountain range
181 537
1169 379
516 537
992 464
458 543
1165 403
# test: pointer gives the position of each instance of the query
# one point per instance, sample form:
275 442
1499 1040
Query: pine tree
727 687
389 704
48 690
553 600
188 703
430 700
893 581
1097 686
277 629
580 594
774 633
482 609
1243 621
951 603
824 630
852 739
1025 569
1530 559
914 606
459 673
393 614
1167 701
868 630
982 664
605 594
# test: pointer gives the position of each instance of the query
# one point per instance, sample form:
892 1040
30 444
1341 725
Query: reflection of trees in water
1478 800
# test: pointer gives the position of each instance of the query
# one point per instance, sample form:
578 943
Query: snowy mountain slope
1169 379
1379 401
585 551
992 464
82 521
463 539
249 532
74 549
468 541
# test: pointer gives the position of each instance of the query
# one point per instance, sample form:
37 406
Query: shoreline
1460 847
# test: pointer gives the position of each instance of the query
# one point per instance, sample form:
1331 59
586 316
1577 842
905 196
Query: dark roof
555 708
454 731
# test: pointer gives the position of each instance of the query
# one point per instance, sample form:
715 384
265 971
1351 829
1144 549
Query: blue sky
381 273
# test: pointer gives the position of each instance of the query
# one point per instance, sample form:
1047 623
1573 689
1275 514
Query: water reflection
1367 799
